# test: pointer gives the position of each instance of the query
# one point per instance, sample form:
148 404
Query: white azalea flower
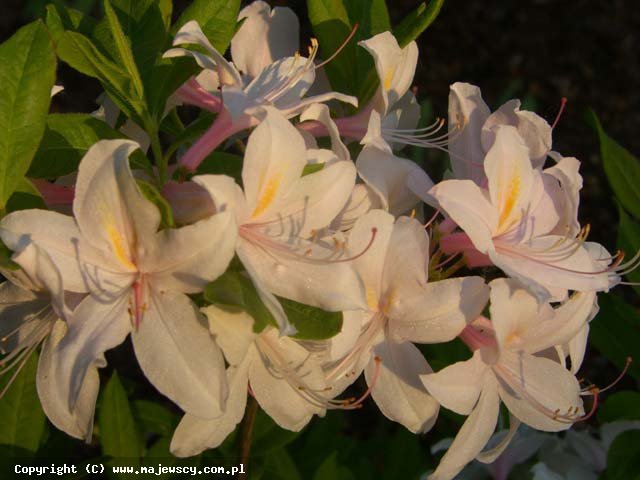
505 366
520 223
280 213
402 308
265 79
137 278
286 380
472 127
31 308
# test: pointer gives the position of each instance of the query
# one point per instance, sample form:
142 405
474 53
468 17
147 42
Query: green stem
246 434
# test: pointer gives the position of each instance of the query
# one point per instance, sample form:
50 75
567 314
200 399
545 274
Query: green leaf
25 197
154 196
312 323
217 18
233 291
629 242
167 76
21 415
154 418
278 465
81 54
27 74
417 21
222 163
66 140
118 433
5 258
123 48
620 406
615 332
352 70
331 470
623 459
312 168
59 19
267 435
622 169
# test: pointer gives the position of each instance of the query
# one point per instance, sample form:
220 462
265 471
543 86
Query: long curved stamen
571 416
588 390
336 256
563 104
340 48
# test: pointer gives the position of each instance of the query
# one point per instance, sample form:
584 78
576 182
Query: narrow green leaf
615 332
267 435
278 465
60 18
312 168
417 21
233 290
152 194
620 406
81 54
312 323
623 458
167 76
622 169
217 18
222 163
27 74
118 433
629 242
5 258
154 418
123 47
21 415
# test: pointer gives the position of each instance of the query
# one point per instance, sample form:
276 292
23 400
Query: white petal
467 111
226 194
474 434
389 175
94 327
361 201
272 384
186 259
190 33
510 176
458 386
77 422
395 66
440 312
490 455
469 207
332 286
265 35
195 434
82 266
535 388
320 112
274 160
370 264
233 332
397 389
179 356
111 212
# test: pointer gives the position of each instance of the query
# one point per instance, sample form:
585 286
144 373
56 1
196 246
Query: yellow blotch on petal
388 78
508 201
268 194
372 299
119 246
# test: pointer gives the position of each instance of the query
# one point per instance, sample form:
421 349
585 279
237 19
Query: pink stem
478 334
447 226
223 127
54 194
193 93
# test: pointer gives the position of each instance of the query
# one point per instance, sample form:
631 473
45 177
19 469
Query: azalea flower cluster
327 228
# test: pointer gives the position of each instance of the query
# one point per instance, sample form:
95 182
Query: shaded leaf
623 459
27 74
152 194
217 18
417 21
620 406
312 323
